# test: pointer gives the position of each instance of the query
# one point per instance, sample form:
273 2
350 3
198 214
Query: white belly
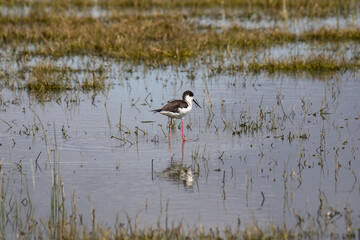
182 112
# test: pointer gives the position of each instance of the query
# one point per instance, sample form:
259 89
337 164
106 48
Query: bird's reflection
179 172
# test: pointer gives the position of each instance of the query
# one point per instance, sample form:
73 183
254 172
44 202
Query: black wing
173 106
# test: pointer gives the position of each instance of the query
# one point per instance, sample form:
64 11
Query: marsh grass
319 64
46 76
153 38
159 39
157 33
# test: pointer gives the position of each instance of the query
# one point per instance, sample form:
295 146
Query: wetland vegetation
279 123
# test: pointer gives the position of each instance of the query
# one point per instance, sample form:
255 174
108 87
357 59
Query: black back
173 106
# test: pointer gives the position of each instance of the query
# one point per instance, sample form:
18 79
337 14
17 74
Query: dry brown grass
157 39
155 33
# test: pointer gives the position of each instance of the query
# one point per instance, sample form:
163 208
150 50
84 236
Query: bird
178 109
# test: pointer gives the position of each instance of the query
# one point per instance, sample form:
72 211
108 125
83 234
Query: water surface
263 147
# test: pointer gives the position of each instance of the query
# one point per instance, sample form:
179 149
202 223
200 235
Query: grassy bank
157 33
165 33
166 38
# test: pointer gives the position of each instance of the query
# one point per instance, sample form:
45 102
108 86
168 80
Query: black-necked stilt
178 109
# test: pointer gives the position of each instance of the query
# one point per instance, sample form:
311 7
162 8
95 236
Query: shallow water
241 174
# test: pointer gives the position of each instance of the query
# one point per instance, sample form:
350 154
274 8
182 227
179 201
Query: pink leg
170 129
182 127
170 133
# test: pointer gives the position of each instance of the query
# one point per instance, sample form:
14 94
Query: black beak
196 103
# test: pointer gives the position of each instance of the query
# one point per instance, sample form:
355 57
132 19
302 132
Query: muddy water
300 159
